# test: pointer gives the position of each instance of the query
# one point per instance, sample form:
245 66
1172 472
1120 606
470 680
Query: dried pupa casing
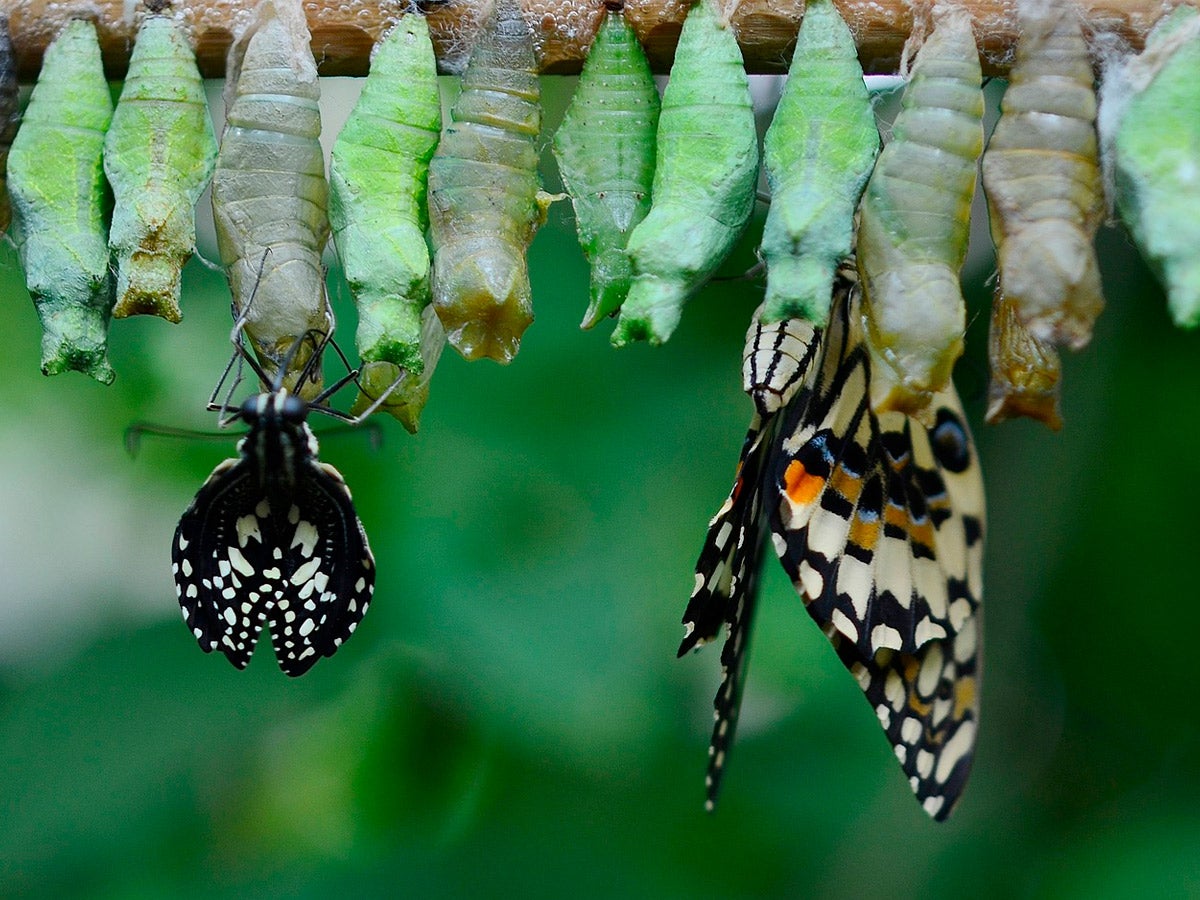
1151 134
706 170
8 112
1026 371
605 152
377 196
158 156
269 191
1041 173
915 219
61 202
407 391
483 193
818 154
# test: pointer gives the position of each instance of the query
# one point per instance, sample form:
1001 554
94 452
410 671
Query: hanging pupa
484 202
706 169
818 154
8 113
61 202
1151 137
605 153
158 155
269 191
915 220
1041 174
377 203
407 391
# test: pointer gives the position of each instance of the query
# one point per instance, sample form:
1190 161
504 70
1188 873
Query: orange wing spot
897 515
964 697
910 668
801 485
849 486
864 534
922 533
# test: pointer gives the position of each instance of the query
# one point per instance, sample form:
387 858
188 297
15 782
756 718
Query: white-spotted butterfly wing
879 523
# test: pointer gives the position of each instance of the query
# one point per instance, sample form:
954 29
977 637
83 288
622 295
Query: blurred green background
511 719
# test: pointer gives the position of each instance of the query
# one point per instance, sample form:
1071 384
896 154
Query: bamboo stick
344 31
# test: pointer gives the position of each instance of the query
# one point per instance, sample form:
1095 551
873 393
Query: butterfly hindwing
328 572
221 547
879 523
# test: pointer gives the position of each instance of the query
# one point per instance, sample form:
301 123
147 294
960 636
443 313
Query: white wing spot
247 527
306 538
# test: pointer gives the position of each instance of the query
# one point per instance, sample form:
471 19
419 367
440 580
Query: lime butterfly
879 523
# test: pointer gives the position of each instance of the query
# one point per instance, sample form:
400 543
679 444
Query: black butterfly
272 536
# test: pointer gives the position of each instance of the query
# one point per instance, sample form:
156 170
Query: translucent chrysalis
483 193
377 204
269 191
8 112
1026 371
605 152
158 156
818 154
705 174
1151 134
1041 173
915 220
60 204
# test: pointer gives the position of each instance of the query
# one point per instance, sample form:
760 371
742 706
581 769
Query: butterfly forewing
776 365
724 592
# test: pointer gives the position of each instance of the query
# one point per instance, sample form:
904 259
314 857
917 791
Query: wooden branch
345 30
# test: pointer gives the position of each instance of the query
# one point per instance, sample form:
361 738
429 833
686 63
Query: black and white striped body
272 538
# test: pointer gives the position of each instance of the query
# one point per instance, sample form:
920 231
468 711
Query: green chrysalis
1151 132
60 204
915 219
483 193
159 156
377 203
704 179
1041 173
8 113
818 154
605 152
1026 371
269 191
406 398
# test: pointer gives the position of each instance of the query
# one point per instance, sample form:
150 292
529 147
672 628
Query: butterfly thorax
277 446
